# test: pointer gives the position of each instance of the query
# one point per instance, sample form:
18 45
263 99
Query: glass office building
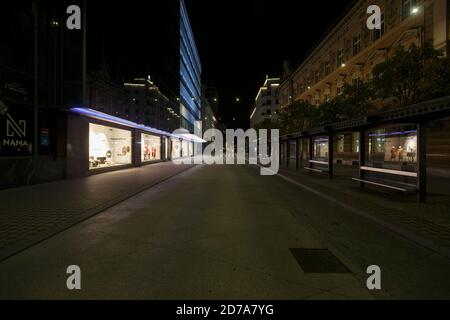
190 74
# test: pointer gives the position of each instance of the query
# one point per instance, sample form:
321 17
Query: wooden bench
392 185
320 170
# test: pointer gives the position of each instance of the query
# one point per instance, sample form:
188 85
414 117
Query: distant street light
238 99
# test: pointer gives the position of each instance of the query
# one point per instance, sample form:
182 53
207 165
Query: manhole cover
318 261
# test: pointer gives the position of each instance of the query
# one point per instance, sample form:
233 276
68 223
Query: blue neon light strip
393 133
94 114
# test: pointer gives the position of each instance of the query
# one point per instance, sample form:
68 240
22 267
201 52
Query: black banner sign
16 130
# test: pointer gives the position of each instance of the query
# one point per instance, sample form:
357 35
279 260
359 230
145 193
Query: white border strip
311 169
380 184
394 172
319 162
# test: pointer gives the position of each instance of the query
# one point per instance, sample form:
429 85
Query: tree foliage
409 76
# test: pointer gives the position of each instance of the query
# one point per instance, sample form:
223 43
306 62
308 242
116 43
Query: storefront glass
355 142
393 148
166 148
176 149
151 148
191 149
340 139
320 149
292 150
108 147
185 152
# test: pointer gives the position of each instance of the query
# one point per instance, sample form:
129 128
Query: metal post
310 153
280 154
422 162
330 156
288 152
297 154
36 79
362 156
84 71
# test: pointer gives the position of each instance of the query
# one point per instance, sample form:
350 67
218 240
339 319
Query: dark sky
240 41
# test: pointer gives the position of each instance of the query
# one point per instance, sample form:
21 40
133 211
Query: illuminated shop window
340 139
409 7
176 149
355 142
108 147
393 148
320 149
185 149
150 148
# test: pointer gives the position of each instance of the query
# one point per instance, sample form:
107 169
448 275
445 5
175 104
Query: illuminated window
150 148
176 149
108 146
340 143
355 142
340 58
408 6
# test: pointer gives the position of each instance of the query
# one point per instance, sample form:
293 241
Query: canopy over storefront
94 114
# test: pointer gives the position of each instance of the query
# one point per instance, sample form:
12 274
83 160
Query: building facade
350 51
209 118
44 73
266 102
40 71
190 75
147 105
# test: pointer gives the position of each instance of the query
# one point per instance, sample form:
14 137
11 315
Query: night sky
240 41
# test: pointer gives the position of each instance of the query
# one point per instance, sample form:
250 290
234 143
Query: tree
412 75
408 77
297 117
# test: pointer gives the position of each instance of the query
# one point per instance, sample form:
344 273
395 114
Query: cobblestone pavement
428 224
32 213
225 232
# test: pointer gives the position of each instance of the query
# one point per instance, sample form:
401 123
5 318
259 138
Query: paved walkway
33 213
224 232
427 224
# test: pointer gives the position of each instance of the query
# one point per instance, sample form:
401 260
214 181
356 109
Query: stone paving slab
427 224
31 214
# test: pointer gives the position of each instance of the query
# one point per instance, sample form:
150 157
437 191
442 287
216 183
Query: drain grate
318 261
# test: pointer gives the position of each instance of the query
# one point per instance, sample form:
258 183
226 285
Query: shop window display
166 148
340 139
355 142
191 149
108 147
151 148
320 149
393 148
176 149
185 152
